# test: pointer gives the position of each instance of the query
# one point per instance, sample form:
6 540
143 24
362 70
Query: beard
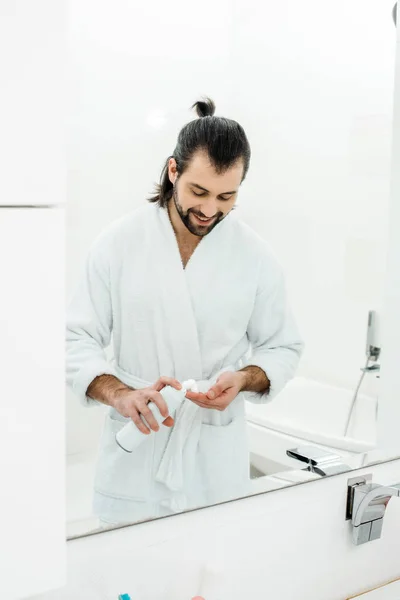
189 222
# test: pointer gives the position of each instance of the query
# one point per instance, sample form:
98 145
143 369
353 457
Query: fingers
209 406
200 400
163 381
196 397
215 391
138 422
147 414
205 403
159 402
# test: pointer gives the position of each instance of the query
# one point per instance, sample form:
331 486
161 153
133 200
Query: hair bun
204 108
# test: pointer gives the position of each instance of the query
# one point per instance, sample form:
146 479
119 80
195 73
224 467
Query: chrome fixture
373 343
372 351
366 507
319 461
372 368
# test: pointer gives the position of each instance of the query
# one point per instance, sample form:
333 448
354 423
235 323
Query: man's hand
220 395
134 404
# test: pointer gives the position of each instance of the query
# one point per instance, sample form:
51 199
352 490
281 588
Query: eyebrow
204 189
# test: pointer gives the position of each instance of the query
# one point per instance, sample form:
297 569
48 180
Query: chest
221 293
186 251
216 277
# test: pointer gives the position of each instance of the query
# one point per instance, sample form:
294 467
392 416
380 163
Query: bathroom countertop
387 591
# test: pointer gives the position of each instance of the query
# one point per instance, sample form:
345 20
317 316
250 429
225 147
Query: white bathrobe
226 309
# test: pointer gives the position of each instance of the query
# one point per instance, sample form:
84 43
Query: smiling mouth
203 221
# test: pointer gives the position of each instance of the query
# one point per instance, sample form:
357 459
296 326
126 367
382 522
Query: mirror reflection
224 323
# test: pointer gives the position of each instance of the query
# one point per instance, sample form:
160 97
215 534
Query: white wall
32 45
389 412
291 544
311 83
315 96
32 292
32 441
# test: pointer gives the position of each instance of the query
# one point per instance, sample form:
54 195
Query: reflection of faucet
373 352
368 509
319 461
372 368
375 368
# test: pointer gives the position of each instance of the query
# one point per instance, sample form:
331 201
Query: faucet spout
318 460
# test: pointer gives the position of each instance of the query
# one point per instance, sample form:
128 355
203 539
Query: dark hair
223 139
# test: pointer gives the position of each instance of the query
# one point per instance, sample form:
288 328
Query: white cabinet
32 388
32 102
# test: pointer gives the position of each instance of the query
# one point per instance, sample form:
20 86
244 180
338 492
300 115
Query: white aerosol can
129 437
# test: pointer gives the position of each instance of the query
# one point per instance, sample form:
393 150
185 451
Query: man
188 291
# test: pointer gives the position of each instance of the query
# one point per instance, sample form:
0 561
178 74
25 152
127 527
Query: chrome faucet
319 461
367 509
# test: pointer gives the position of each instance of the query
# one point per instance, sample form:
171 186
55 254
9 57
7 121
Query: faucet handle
368 508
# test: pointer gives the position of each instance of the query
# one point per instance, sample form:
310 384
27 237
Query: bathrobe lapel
176 306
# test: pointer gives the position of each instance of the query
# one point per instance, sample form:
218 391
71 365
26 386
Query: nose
209 210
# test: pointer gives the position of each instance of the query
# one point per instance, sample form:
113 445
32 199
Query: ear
172 170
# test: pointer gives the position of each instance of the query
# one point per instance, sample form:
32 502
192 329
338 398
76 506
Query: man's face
201 193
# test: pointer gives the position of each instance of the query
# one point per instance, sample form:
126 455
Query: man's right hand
134 404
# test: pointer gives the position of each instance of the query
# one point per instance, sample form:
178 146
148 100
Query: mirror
274 122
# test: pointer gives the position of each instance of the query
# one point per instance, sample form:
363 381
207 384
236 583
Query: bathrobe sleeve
89 322
276 345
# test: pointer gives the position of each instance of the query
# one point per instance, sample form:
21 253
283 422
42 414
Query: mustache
203 216
219 214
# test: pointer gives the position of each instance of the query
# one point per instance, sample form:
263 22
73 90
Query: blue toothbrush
124 597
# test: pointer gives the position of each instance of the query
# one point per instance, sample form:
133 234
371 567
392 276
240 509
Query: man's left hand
222 393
